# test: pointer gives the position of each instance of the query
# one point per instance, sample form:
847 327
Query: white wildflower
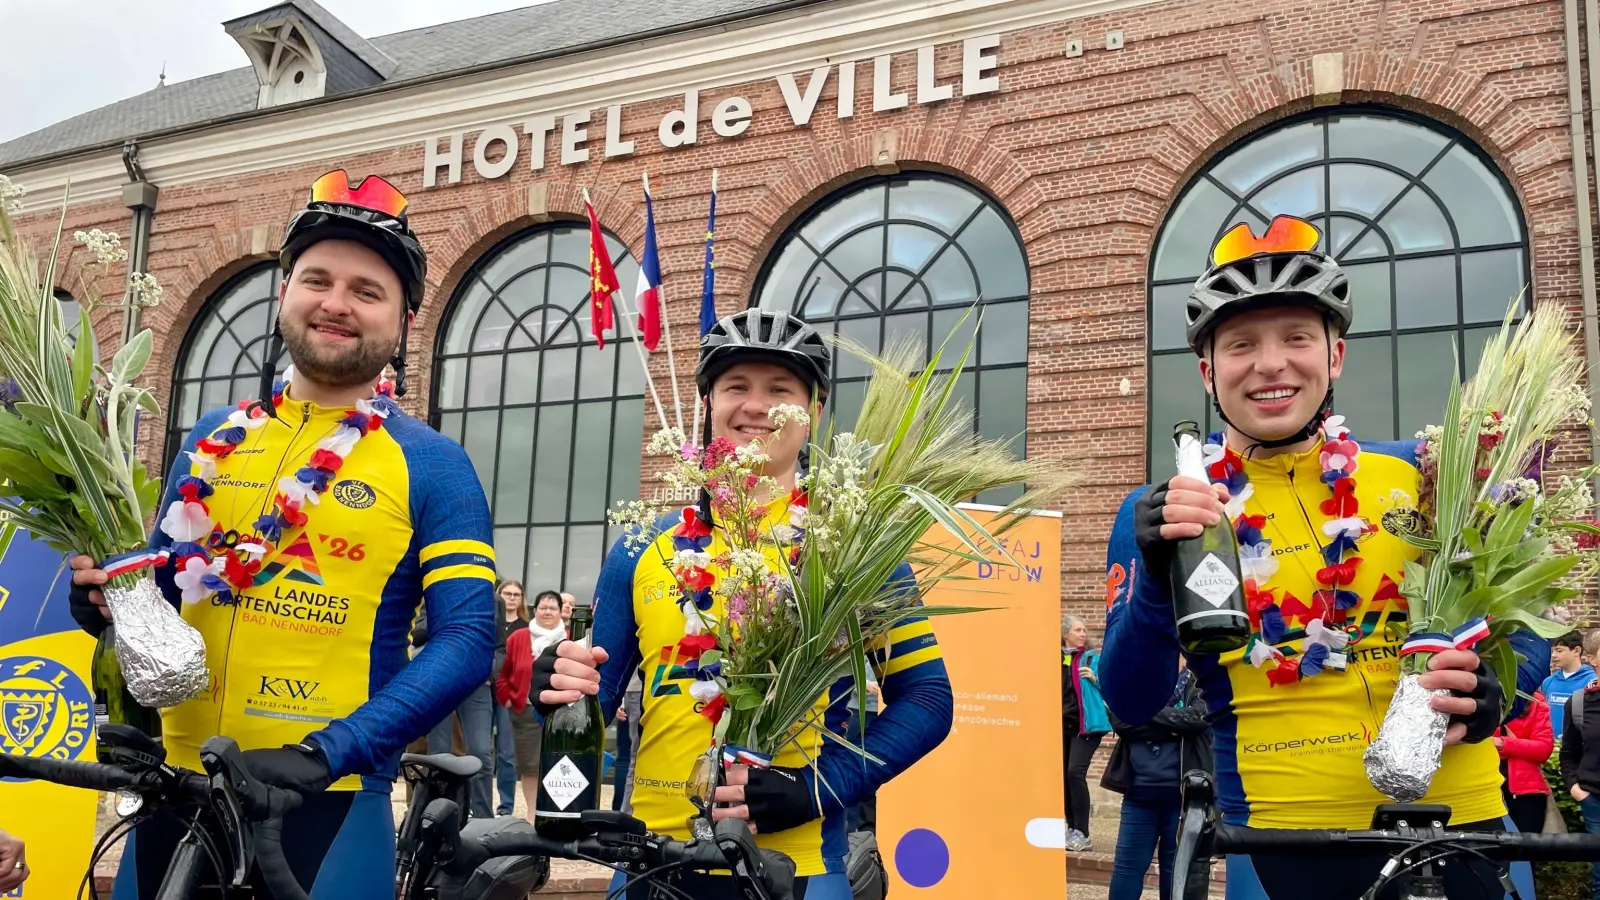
691 559
105 245
748 565
784 413
667 441
143 289
638 518
9 192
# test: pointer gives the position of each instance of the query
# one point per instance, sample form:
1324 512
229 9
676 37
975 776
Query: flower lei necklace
1326 632
215 563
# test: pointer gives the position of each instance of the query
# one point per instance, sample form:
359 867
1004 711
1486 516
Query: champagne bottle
571 753
1207 592
106 673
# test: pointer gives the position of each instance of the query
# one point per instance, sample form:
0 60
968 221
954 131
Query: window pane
593 443
483 380
626 451
188 405
493 328
1363 189
912 246
585 551
845 406
909 327
528 253
597 367
547 547
1427 363
479 441
250 324
938 203
822 293
522 378
1005 334
1491 282
1370 247
552 464
1299 194
1369 294
951 278
221 355
558 374
1478 201
1399 143
631 380
510 545
1342 231
1261 159
1415 224
1473 353
524 294
866 332
993 249
782 288
512 475
1003 405
450 426
850 211
860 253
1168 320
953 333
1176 395
1186 239
1425 291
896 293
1364 394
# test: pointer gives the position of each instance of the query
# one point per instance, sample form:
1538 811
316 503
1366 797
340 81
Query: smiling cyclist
1294 710
750 362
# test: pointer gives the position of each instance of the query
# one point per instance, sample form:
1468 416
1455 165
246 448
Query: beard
360 363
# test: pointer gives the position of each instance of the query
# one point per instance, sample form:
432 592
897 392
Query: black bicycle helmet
372 213
1282 267
764 336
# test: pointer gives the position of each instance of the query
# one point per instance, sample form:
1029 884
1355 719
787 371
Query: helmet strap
1311 428
705 441
268 367
399 360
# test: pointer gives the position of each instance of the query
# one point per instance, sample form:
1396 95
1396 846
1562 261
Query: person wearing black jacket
1580 760
1147 768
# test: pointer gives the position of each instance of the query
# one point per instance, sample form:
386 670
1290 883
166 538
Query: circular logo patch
1403 521
355 494
45 709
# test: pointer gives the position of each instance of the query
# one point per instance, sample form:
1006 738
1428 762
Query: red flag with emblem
602 277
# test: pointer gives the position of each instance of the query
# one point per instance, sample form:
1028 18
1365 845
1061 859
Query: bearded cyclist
750 362
330 514
1294 711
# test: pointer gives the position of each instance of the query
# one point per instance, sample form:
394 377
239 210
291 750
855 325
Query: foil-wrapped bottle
163 658
1407 751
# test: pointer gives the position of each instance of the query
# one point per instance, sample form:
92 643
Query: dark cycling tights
1346 878
721 887
341 841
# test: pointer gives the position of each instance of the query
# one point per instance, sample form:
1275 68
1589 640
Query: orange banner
983 815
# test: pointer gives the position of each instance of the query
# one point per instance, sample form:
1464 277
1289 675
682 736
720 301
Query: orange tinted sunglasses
372 193
1286 234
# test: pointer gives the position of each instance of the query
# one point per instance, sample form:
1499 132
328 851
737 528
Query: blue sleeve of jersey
615 630
1532 670
208 423
1141 637
916 717
452 536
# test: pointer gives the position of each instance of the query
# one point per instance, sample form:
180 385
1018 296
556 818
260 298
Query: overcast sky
65 57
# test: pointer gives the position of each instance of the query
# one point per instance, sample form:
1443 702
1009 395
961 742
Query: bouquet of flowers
68 472
1497 540
807 584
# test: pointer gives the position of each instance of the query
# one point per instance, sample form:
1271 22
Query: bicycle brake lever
1192 861
744 859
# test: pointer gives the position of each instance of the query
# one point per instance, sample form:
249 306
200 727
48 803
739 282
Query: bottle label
1212 581
565 781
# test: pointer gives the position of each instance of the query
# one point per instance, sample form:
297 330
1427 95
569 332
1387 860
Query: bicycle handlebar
1528 846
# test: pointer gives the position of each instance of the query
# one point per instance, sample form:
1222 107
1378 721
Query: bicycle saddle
459 766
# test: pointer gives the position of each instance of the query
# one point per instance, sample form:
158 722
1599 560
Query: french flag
649 292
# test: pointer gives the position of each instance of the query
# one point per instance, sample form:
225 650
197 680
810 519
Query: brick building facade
1104 113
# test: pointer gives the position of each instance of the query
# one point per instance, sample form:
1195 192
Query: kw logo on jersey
298 560
288 688
45 708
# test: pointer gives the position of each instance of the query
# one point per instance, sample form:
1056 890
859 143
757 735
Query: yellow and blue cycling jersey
1290 756
639 622
319 644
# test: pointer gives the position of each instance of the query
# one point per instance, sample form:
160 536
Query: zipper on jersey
233 620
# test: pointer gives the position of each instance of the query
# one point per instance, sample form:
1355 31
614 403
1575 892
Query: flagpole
699 402
643 363
666 325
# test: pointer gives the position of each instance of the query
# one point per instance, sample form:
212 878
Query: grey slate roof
562 26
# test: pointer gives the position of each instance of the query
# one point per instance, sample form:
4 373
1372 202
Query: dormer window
300 51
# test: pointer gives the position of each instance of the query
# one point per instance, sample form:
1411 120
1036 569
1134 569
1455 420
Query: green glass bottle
106 672
571 753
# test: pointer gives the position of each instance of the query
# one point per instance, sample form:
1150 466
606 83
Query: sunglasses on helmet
373 193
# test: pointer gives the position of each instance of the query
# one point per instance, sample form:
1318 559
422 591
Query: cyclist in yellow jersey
308 651
1293 711
749 363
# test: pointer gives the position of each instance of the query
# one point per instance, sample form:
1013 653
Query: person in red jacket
1524 744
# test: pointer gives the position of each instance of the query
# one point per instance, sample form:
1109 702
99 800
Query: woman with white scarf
511 687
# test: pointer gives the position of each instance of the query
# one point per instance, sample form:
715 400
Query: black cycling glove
780 799
1481 724
544 668
302 768
1148 516
84 612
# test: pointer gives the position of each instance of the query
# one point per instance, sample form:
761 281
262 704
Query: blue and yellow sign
46 709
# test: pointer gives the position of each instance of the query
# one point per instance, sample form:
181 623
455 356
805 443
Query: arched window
554 424
71 313
221 359
1421 222
904 257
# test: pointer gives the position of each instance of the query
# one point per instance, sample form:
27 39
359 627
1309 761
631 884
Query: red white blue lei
212 562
